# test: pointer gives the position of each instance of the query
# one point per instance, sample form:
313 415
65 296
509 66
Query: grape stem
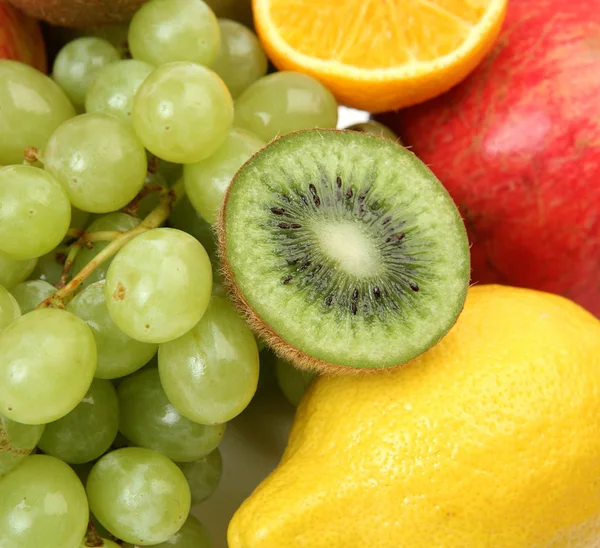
73 251
154 219
92 538
132 207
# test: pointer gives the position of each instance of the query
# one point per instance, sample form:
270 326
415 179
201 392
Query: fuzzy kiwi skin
281 347
79 13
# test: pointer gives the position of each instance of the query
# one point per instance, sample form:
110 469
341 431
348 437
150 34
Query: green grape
374 128
49 267
16 442
34 214
206 181
170 266
118 354
292 381
112 222
113 88
203 476
86 432
283 102
43 504
33 106
139 495
192 535
164 31
9 308
241 60
98 160
31 293
48 362
182 112
211 373
78 62
149 420
13 271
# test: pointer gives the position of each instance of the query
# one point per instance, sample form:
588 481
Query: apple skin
517 145
21 38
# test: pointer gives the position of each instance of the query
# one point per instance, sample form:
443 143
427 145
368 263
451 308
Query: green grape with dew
165 31
17 441
374 128
9 308
48 363
78 62
14 271
182 112
34 214
113 88
206 181
86 432
241 60
98 160
118 354
284 102
111 222
31 293
211 373
33 106
170 266
292 381
49 267
192 535
139 495
148 419
43 504
203 475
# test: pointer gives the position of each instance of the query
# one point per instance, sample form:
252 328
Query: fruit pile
179 217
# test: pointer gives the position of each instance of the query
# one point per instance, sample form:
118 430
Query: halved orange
380 55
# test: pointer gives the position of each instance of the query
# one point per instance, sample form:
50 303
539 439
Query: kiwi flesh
343 251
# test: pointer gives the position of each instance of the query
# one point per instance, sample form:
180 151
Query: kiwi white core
347 244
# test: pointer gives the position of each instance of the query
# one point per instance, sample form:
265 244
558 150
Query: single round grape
43 504
203 476
113 88
86 432
48 362
98 160
34 214
78 62
292 381
158 285
374 128
210 374
139 495
9 308
33 106
241 60
192 535
111 222
164 31
206 181
283 102
182 112
118 354
13 271
149 420
16 442
49 267
31 293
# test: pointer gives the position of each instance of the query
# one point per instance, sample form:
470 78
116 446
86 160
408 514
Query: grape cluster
121 358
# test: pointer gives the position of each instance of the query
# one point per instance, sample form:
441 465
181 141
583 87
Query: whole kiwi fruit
343 251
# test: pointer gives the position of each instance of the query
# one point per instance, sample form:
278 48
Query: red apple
517 145
21 38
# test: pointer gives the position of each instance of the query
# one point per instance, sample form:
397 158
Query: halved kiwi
343 250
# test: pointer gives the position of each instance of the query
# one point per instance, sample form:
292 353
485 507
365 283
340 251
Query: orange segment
380 55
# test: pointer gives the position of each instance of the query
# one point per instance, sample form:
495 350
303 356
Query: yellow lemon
491 439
